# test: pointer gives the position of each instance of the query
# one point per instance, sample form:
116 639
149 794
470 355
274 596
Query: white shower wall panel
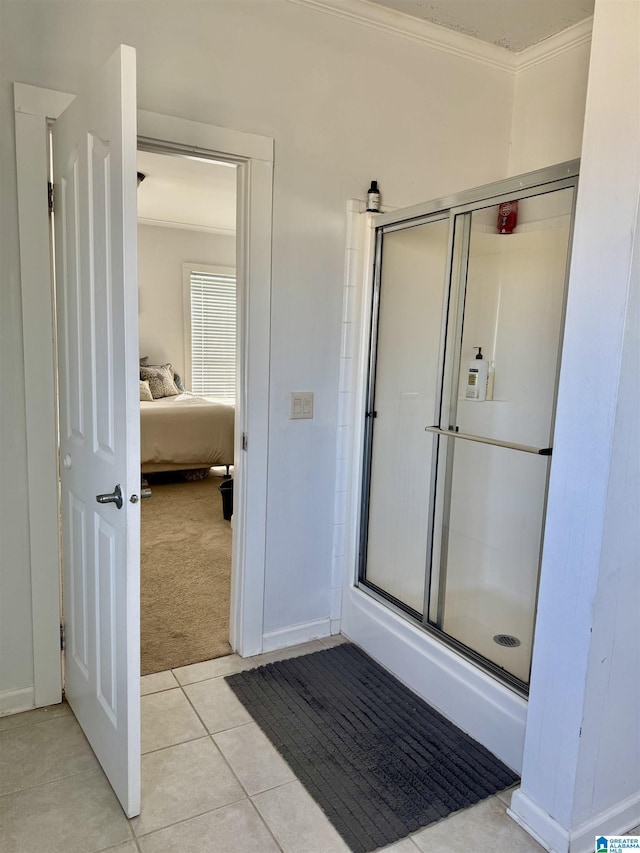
493 555
514 309
514 306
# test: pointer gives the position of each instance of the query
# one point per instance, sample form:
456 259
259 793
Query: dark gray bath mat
379 761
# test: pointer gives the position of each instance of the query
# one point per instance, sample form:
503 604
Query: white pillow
145 391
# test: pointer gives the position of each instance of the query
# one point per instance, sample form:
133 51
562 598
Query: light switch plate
301 405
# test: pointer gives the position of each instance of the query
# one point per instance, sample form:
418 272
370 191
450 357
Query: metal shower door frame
458 209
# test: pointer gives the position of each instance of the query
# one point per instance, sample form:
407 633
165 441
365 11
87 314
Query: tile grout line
118 844
253 658
19 726
455 814
233 773
182 820
233 671
155 692
152 832
206 736
203 736
210 735
266 825
54 779
281 785
57 779
12 729
210 678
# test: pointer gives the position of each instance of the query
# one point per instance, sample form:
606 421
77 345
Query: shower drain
506 640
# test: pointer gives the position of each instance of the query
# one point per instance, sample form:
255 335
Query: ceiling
512 24
187 192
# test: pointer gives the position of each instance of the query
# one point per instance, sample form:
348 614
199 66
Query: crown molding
185 226
415 29
572 37
449 41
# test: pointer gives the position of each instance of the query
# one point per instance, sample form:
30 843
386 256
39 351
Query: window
210 339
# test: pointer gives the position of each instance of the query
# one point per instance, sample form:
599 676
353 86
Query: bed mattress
185 431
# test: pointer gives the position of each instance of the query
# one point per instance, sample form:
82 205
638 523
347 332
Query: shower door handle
526 448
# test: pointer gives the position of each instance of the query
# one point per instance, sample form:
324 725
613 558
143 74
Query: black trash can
226 490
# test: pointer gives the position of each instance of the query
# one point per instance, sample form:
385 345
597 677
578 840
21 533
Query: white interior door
96 281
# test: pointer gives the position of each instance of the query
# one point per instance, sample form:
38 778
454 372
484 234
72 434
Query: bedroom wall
161 253
345 103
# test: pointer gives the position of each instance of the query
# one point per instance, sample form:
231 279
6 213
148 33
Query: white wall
548 111
161 253
581 773
345 104
609 763
16 654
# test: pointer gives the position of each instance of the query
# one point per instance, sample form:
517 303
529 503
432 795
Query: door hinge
62 638
244 441
51 194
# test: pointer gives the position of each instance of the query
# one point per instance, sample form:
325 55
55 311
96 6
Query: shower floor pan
475 617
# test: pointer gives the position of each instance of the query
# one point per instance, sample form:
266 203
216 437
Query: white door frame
34 108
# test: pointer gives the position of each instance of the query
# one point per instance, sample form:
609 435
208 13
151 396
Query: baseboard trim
553 837
614 821
15 701
545 829
295 634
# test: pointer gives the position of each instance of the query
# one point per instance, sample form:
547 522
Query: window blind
213 334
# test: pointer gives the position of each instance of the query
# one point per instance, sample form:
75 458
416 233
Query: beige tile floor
211 783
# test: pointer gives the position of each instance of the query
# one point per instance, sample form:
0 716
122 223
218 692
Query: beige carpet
185 575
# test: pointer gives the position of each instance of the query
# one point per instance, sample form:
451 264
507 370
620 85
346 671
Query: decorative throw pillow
145 391
144 362
160 379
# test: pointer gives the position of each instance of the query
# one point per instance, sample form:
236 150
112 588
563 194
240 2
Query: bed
184 432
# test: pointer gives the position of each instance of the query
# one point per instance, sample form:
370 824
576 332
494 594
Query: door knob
115 497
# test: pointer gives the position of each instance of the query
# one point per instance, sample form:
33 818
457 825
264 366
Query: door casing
34 109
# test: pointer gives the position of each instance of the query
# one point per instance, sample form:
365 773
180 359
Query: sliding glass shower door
409 322
455 483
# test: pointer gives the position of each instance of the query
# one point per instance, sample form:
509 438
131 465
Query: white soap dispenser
477 378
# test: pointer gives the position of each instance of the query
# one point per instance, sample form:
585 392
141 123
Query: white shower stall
453 489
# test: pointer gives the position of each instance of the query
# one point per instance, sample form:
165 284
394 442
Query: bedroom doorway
188 341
